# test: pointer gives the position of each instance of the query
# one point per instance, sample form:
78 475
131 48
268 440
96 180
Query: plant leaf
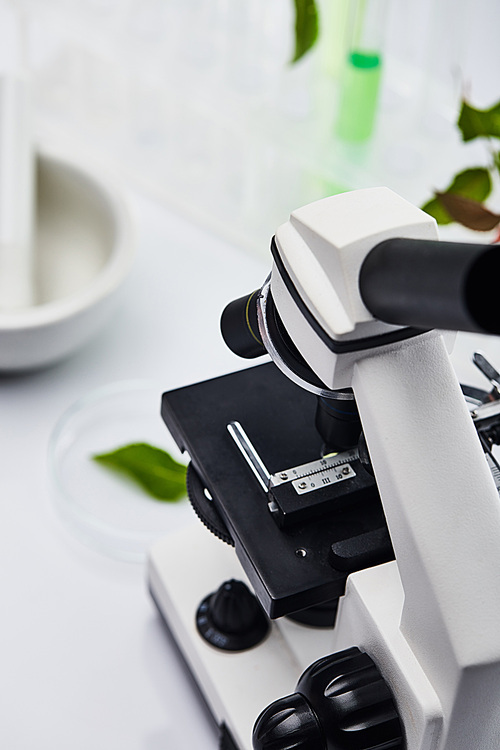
474 183
306 27
152 468
470 213
479 123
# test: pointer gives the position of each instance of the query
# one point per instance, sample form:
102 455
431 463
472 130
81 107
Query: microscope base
185 567
237 686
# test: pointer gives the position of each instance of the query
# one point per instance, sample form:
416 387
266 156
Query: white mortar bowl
83 253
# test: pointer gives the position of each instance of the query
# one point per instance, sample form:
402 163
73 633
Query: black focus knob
231 618
342 703
288 724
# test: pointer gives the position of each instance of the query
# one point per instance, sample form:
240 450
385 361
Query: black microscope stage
302 563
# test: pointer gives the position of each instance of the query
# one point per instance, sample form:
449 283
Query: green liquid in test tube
360 84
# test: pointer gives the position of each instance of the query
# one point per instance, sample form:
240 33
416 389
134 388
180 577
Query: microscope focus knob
231 618
342 703
288 724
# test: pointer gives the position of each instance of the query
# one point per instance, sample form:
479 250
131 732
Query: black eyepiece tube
239 327
432 284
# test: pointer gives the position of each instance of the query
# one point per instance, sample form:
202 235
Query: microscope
348 597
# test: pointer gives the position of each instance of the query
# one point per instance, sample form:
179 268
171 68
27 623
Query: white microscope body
430 620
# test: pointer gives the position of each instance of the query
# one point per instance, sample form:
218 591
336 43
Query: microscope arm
443 513
384 267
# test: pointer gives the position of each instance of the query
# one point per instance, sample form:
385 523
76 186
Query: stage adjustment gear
342 703
204 507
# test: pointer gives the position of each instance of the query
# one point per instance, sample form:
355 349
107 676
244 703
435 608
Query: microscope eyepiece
432 284
240 329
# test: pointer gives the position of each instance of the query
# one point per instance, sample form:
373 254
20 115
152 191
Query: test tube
360 81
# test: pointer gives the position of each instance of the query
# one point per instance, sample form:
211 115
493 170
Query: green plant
463 200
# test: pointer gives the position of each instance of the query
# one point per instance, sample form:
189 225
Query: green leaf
152 468
306 27
479 123
474 183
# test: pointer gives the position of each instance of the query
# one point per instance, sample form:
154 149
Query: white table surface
84 659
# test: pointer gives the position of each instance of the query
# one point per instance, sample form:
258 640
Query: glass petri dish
103 509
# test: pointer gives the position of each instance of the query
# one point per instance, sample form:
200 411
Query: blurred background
198 102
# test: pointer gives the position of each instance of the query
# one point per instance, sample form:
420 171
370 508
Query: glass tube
360 83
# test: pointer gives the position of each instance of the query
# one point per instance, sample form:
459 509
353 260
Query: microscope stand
429 622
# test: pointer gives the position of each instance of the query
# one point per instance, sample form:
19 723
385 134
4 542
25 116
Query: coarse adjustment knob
342 703
231 618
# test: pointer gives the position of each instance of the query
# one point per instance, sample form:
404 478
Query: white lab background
192 108
197 100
